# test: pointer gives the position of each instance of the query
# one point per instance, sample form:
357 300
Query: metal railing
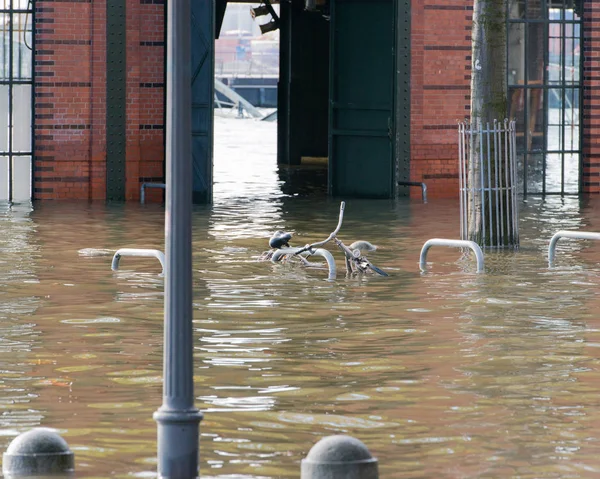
137 252
236 99
260 66
452 243
568 234
149 185
488 183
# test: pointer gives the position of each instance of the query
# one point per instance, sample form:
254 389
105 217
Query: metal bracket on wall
423 187
149 185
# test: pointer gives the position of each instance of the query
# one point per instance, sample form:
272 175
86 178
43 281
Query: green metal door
361 100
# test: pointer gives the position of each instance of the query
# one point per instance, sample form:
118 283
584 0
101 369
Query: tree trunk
488 103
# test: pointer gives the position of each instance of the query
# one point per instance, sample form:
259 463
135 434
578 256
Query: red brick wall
440 90
97 138
70 102
63 99
70 99
591 98
145 96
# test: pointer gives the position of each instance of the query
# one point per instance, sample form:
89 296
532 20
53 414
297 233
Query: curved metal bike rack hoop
568 234
154 253
453 243
317 252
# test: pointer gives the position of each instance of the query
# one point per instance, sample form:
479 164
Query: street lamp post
178 420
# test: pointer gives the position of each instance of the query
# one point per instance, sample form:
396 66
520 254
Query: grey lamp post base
178 443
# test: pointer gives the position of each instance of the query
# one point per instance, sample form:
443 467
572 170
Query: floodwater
443 374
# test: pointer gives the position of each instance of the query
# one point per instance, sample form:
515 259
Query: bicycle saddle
280 239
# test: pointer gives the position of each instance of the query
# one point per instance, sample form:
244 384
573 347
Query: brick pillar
440 91
70 152
98 101
134 61
591 99
152 96
62 99
145 97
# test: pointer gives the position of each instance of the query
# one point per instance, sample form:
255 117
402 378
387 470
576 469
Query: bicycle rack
317 252
137 252
149 185
568 234
453 243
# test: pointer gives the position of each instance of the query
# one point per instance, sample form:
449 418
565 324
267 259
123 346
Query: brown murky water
443 374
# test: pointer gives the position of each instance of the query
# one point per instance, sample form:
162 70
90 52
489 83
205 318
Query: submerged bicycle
354 255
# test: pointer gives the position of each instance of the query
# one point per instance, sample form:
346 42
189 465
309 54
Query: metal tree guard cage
488 184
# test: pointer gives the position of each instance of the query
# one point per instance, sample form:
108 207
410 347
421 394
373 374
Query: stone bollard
38 452
339 457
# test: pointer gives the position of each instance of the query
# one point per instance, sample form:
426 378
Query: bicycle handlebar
333 234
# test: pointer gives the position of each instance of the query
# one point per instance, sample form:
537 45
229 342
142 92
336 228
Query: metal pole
178 420
489 188
507 182
481 175
496 147
465 168
513 167
460 181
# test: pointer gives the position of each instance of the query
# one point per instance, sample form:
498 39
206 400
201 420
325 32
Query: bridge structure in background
342 91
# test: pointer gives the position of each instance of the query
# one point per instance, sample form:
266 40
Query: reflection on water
443 374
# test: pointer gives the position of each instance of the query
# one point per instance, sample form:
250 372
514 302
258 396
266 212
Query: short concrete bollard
339 457
38 452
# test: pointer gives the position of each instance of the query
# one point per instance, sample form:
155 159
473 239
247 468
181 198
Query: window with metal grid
544 67
16 83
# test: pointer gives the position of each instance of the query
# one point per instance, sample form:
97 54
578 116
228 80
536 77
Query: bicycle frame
356 262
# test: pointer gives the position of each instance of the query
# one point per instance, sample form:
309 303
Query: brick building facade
71 152
591 98
70 128
440 90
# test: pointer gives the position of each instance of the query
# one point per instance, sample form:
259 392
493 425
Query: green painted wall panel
368 176
402 123
116 68
362 91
